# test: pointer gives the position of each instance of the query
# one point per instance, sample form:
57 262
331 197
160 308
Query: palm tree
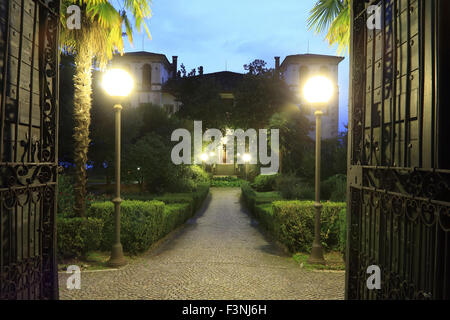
94 44
334 16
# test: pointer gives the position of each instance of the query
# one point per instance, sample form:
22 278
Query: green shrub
66 196
200 194
198 174
141 223
264 214
195 198
226 182
292 187
296 224
264 183
248 195
144 222
77 236
174 215
334 188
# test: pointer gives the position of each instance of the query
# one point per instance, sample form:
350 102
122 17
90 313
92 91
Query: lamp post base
117 259
316 256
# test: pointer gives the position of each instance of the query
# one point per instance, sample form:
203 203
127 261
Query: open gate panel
398 176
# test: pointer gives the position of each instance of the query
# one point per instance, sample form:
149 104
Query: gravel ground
218 254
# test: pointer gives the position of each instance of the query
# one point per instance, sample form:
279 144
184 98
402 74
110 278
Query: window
324 71
147 76
303 74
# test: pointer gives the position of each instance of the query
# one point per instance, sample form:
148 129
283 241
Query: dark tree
257 67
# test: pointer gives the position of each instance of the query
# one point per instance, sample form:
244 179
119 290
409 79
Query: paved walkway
219 254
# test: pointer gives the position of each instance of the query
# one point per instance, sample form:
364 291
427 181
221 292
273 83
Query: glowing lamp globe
246 157
203 157
117 83
318 90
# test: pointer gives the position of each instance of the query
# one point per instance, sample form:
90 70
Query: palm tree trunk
82 120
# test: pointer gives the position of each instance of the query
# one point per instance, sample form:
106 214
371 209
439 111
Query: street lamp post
117 83
204 158
246 157
318 91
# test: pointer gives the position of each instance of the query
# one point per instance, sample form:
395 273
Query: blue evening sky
225 35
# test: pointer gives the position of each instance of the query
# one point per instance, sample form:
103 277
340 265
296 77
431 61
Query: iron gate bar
28 149
398 186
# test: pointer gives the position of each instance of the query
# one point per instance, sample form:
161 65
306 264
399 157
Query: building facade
150 72
297 69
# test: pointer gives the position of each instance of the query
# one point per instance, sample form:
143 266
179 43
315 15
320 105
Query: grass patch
334 261
94 260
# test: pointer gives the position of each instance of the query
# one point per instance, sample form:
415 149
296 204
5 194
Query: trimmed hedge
195 199
296 221
145 222
77 236
292 222
264 183
174 215
140 223
253 198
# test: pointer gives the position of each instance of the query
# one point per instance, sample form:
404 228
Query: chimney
277 67
175 66
277 63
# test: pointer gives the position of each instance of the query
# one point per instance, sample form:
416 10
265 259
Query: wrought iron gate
399 177
28 142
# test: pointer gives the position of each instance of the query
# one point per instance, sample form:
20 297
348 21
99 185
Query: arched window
147 76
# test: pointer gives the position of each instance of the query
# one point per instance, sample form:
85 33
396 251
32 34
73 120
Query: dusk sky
225 35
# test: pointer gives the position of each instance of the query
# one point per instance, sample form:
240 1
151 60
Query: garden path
219 254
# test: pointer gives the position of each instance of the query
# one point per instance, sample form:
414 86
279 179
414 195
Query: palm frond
104 13
141 11
128 28
339 31
333 16
323 14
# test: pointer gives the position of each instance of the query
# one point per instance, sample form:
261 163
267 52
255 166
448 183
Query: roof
297 58
158 56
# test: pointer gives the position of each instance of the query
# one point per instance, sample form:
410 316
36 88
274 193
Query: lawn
334 261
94 260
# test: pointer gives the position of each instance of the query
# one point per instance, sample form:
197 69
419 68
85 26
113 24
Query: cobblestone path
218 254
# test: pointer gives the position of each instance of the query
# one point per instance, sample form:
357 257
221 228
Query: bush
342 231
144 222
264 183
248 195
174 215
195 198
264 214
66 196
151 154
296 224
334 188
226 182
291 187
77 236
141 223
198 174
